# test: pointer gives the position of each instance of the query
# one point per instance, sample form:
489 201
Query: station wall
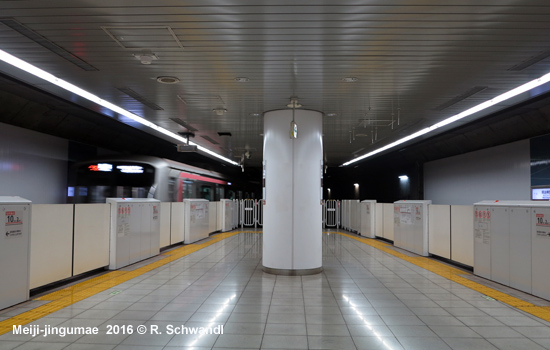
501 172
33 165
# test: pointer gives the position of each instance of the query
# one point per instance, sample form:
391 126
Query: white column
292 230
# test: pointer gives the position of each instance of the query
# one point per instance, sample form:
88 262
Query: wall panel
91 237
439 230
51 243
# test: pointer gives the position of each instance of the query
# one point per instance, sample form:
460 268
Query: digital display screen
540 193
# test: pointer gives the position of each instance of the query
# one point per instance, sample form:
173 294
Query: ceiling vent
184 124
140 98
144 37
535 59
40 40
224 133
205 99
211 140
459 98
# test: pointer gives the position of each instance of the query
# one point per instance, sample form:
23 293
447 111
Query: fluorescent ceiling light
403 177
498 99
29 68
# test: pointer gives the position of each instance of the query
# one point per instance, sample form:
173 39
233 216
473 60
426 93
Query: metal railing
251 213
331 213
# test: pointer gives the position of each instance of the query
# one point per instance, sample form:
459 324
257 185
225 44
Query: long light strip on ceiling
498 99
29 68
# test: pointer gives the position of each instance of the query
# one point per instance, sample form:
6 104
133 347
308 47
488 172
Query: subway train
148 177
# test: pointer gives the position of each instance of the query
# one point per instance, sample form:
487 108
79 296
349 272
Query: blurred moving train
149 177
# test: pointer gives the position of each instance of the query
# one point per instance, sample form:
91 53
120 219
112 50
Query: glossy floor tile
364 299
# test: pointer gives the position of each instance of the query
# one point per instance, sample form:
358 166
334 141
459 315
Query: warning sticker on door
542 225
123 220
14 223
482 226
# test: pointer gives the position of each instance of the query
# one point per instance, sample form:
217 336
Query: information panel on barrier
15 250
196 220
511 244
411 225
135 230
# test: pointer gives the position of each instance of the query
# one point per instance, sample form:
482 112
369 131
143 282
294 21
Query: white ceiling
411 58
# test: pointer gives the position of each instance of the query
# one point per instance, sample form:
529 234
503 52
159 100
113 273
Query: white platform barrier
388 220
451 232
70 239
15 250
355 216
367 217
344 214
91 237
511 244
213 216
439 229
462 234
220 211
197 220
455 243
51 243
135 230
379 220
165 214
351 215
177 222
53 257
225 215
411 226
236 213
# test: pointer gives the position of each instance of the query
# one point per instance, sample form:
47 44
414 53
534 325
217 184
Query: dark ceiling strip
184 124
140 98
469 93
39 39
530 62
211 140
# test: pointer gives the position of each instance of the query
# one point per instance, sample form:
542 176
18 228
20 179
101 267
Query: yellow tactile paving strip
80 291
453 274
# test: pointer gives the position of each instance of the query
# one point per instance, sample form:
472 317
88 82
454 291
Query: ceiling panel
409 57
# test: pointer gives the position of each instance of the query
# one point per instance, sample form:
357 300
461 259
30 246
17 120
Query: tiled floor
364 299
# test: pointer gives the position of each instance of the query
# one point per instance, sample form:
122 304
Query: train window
187 189
219 193
206 192
97 194
172 191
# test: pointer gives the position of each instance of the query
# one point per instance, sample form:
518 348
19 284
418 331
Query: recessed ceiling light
350 79
242 79
168 80
146 58
219 111
331 114
255 114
